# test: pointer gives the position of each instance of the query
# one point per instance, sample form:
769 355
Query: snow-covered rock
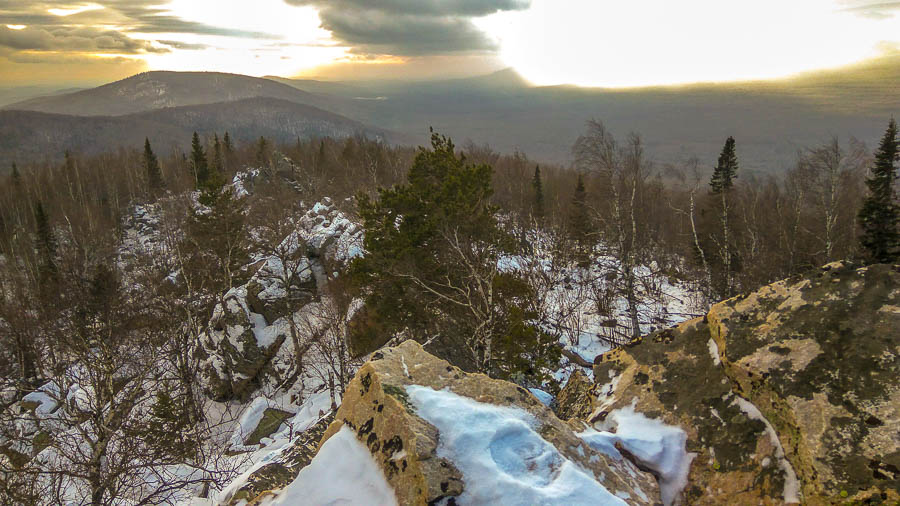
438 434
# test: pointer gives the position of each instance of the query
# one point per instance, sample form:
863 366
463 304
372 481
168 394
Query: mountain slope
157 90
28 135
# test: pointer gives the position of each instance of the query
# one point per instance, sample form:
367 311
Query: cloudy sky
584 42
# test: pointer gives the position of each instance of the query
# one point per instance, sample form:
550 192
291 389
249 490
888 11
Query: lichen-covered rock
672 376
575 400
788 394
237 347
377 407
820 357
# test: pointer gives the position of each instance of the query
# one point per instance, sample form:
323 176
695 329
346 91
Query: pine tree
46 246
726 169
15 176
228 149
721 184
880 215
262 148
217 162
198 161
579 225
538 187
152 169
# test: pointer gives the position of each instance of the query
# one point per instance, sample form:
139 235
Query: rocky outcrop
238 345
378 408
789 394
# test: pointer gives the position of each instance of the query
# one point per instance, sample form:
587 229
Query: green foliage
216 241
15 176
579 217
262 152
169 428
522 353
430 269
46 246
880 215
198 161
726 169
537 187
152 169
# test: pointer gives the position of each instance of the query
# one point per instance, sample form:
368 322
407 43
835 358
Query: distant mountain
37 136
157 90
771 120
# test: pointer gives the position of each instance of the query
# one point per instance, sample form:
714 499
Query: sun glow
68 11
16 27
659 42
285 40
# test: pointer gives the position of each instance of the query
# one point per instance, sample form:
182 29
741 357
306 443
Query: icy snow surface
658 446
502 459
343 473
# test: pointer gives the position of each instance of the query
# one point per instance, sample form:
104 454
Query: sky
610 43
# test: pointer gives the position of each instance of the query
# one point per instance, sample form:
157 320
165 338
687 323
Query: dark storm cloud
140 16
409 27
73 39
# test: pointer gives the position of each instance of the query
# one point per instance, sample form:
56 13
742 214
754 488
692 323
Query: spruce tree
538 187
721 184
880 215
15 176
152 169
262 148
726 169
578 217
198 161
217 162
46 246
228 150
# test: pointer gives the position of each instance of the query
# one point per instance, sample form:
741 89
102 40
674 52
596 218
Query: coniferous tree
15 176
726 169
198 161
217 162
228 150
538 187
262 152
579 220
880 215
46 246
152 169
721 185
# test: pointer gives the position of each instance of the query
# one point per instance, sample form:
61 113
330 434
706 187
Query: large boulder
789 394
237 346
380 406
820 357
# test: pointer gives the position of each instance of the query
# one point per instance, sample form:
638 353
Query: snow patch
654 444
343 472
502 458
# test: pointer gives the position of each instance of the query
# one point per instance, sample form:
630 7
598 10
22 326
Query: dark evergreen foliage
198 161
880 214
152 169
537 186
726 169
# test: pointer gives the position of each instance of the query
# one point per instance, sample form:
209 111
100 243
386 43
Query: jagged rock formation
249 338
788 394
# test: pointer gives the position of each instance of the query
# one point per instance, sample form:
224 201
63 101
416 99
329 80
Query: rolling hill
161 89
38 136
